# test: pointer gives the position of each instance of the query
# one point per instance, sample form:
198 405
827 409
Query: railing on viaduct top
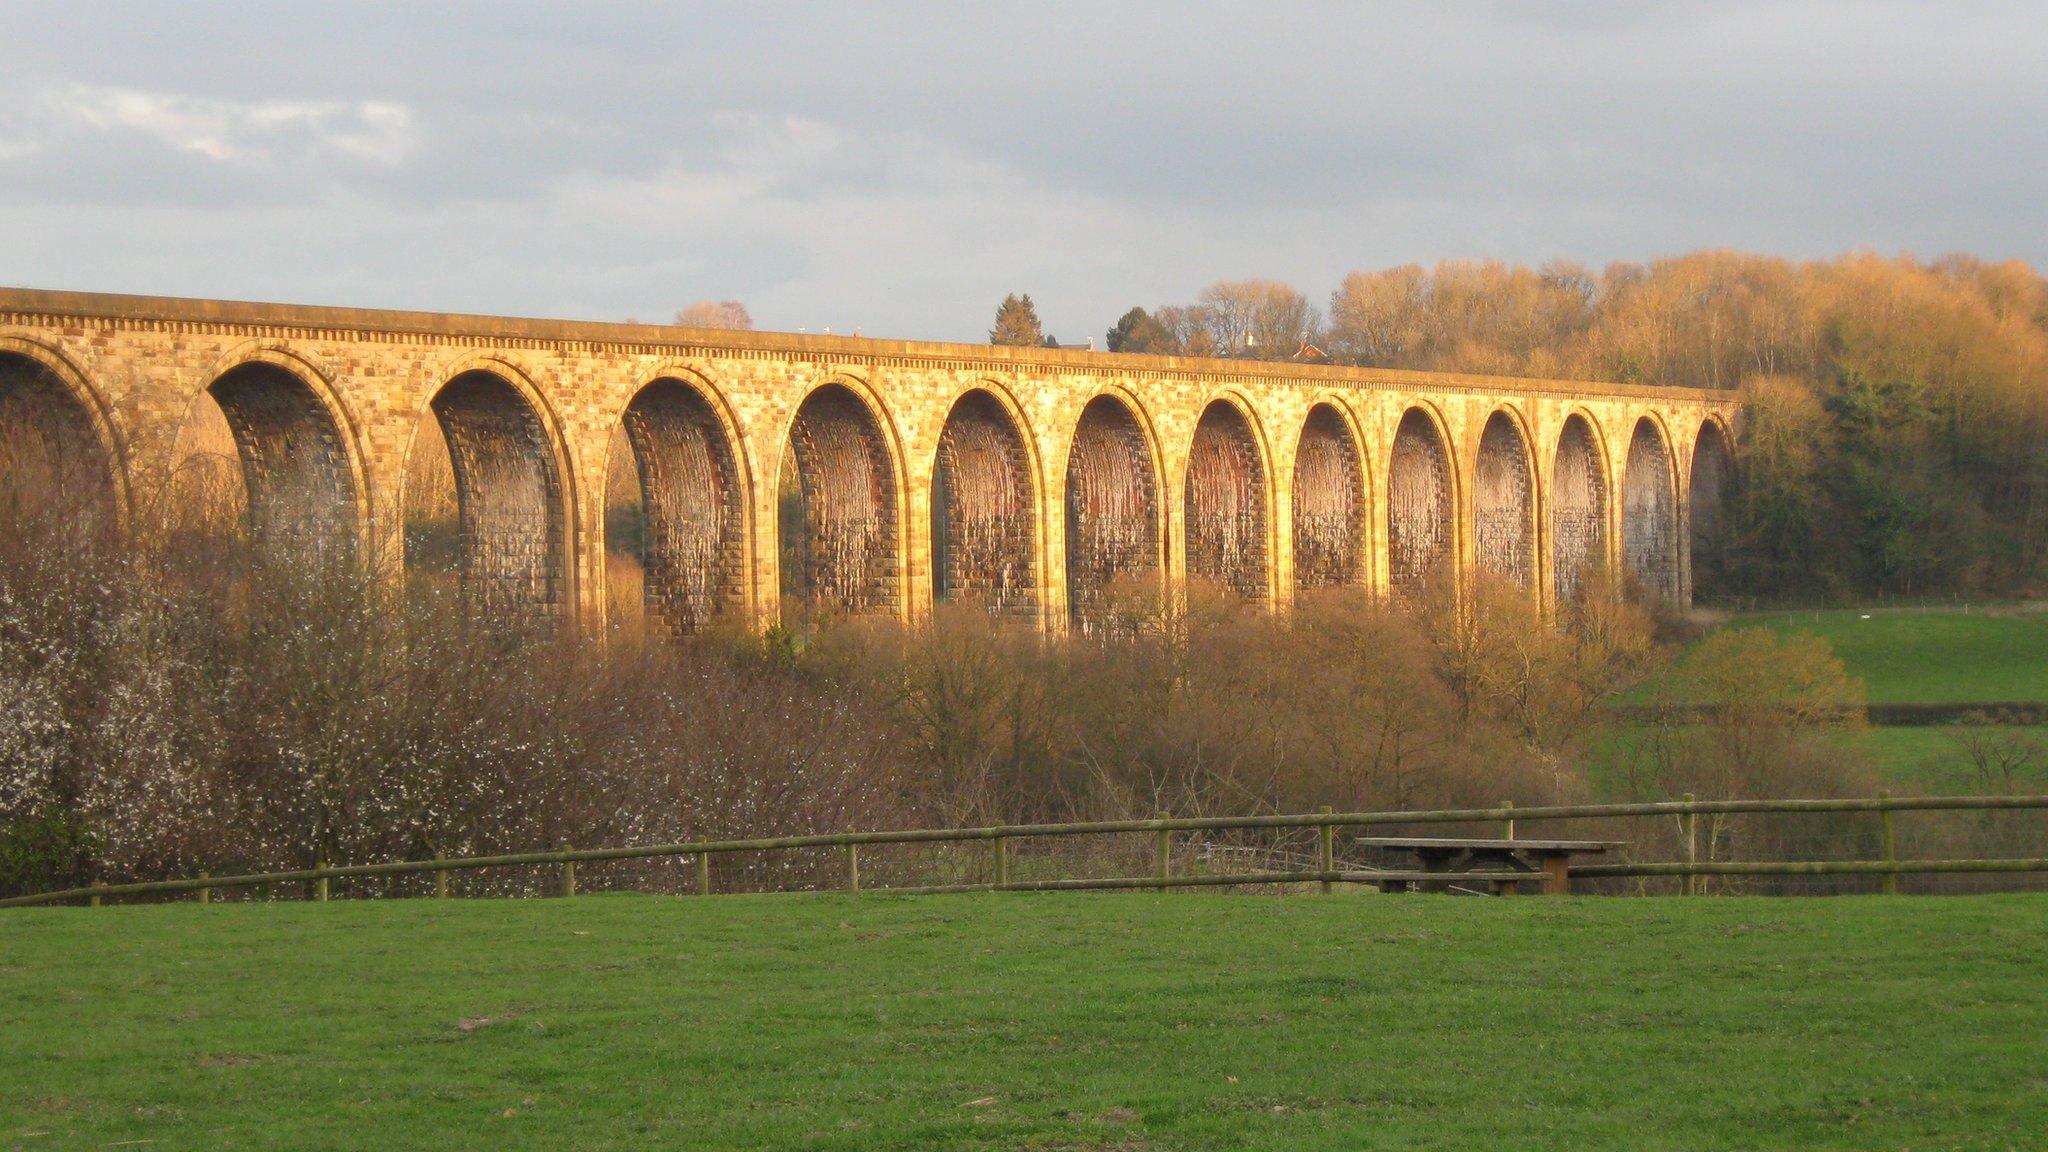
1327 871
35 306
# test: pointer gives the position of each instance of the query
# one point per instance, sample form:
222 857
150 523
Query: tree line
1896 433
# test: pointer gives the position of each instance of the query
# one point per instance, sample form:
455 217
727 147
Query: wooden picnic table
1549 860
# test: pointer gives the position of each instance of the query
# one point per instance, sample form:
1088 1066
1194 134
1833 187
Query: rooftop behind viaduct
858 475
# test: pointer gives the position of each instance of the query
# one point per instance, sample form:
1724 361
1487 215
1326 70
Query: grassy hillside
1937 657
1906 656
1073 1022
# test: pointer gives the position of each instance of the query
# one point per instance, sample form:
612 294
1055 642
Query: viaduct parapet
859 475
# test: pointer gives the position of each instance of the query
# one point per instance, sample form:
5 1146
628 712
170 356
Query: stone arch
510 498
1649 523
985 508
1578 507
1421 545
1112 509
60 475
1713 473
1330 502
693 503
1504 502
840 540
1224 501
301 480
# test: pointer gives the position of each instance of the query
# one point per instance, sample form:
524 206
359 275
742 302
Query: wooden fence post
205 894
1692 848
440 879
568 872
1328 836
1002 860
1891 846
1507 826
853 867
320 884
93 901
703 873
1165 855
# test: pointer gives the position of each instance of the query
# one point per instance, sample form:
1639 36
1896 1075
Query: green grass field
1055 1022
1929 758
1937 657
1924 760
1914 657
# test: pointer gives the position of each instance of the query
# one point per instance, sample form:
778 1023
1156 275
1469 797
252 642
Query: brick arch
1578 506
512 495
60 461
301 474
693 489
1421 503
1225 502
1331 502
1504 500
985 507
1649 520
1711 476
839 487
1113 509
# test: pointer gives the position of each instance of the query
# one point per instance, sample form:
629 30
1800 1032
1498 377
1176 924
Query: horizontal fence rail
1001 834
1961 718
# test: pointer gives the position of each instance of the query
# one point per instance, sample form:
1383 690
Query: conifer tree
1017 323
1137 331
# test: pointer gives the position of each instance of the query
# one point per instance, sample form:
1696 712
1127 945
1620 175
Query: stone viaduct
857 475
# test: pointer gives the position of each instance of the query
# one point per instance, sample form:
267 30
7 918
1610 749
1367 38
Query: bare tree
727 314
1377 319
1189 327
1261 318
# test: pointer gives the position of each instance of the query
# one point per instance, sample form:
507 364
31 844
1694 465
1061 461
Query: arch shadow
839 507
1649 525
689 531
1113 515
511 496
1504 501
1421 499
1225 502
300 475
1709 490
1331 499
1578 507
985 508
61 480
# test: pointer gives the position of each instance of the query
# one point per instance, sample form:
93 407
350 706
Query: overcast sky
898 169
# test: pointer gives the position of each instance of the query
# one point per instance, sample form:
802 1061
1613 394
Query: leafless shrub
194 699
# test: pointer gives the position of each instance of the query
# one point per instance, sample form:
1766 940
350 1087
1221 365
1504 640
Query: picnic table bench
1547 860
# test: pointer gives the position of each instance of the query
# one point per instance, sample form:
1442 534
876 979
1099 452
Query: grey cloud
75 142
901 168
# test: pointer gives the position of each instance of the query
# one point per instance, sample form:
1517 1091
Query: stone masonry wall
131 367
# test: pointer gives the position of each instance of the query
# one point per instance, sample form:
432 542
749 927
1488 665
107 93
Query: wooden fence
998 838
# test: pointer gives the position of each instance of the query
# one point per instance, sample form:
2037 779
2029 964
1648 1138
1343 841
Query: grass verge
1187 1021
